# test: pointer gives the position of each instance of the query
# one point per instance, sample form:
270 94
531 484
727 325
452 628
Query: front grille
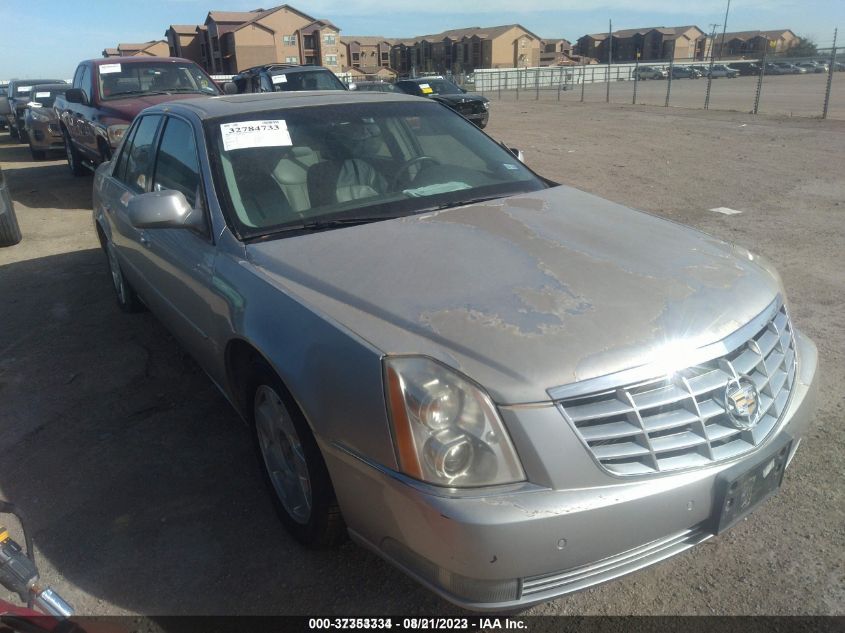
680 421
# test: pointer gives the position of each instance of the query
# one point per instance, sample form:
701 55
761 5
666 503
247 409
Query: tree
804 47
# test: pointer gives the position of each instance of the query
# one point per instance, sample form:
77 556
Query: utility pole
609 55
710 68
830 70
724 28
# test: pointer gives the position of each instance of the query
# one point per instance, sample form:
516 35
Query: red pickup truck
108 93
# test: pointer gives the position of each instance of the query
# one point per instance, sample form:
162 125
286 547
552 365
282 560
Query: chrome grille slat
680 421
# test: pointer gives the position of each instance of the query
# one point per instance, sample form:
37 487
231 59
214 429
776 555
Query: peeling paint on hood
528 292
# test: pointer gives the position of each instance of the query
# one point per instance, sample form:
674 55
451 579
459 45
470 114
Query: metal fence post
830 71
709 82
518 81
583 76
760 81
669 82
559 82
636 79
609 58
536 84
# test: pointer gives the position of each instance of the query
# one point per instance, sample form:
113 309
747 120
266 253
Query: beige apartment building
367 53
154 48
464 50
185 40
751 44
231 41
681 43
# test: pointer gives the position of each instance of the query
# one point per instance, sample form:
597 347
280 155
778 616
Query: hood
461 98
129 107
526 293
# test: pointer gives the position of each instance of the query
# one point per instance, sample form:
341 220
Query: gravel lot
140 482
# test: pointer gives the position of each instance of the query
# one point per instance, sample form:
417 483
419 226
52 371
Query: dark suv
17 94
286 78
473 107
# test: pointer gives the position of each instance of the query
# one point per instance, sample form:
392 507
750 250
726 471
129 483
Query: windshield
46 96
440 87
121 80
305 80
21 89
281 171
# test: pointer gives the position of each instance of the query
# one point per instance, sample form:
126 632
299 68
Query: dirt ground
140 482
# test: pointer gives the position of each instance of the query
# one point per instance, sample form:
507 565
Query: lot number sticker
106 69
42 95
279 79
426 89
24 88
246 134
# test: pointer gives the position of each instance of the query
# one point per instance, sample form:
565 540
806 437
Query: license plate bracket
743 487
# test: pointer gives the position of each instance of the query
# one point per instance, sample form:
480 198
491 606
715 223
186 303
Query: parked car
107 94
510 389
41 124
721 70
790 68
812 67
469 105
286 78
838 66
10 232
774 69
746 69
650 72
4 85
685 72
17 95
375 86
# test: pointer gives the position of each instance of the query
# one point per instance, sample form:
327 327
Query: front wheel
74 161
293 465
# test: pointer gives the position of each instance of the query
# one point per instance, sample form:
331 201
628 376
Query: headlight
486 105
116 133
446 430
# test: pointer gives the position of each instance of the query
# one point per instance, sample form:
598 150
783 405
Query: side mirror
518 153
166 209
230 88
74 95
5 108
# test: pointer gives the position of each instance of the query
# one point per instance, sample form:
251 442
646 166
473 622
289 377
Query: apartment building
556 53
681 43
153 48
231 41
185 40
464 50
367 53
751 44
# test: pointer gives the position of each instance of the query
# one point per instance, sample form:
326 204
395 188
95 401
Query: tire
301 489
37 154
10 232
74 161
127 298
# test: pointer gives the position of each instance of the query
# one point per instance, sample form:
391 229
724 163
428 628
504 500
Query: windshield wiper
136 92
459 203
322 225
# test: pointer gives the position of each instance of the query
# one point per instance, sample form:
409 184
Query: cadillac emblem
742 402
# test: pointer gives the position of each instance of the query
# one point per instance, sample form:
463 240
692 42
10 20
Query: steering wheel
404 167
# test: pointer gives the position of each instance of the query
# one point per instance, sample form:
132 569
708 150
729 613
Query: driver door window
139 160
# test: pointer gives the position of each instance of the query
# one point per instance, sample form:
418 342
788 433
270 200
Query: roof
139 60
212 107
183 29
747 35
232 16
672 31
483 32
366 40
316 24
261 13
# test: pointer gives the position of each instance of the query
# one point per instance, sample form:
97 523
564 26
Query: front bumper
42 137
513 547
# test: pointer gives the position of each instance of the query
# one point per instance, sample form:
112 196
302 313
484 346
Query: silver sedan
508 388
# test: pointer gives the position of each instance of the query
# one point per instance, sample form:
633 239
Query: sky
48 38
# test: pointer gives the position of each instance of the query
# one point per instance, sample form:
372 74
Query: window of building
356 57
331 60
289 40
292 59
310 60
329 39
522 43
308 41
384 57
